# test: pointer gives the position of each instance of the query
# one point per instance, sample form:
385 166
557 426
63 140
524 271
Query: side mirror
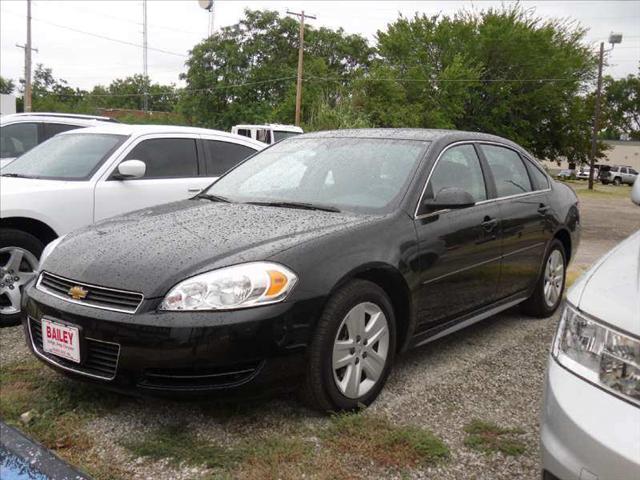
131 169
635 192
450 197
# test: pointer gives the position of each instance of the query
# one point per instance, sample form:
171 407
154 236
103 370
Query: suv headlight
239 286
599 354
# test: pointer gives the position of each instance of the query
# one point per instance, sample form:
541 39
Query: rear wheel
353 349
617 181
19 253
548 292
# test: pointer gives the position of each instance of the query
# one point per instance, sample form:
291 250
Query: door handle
542 209
489 224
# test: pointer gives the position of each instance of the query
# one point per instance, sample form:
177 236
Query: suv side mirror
450 197
131 169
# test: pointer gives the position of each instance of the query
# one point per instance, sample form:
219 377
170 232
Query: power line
103 37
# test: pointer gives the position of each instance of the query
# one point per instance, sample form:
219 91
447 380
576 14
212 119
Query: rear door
521 193
174 172
460 250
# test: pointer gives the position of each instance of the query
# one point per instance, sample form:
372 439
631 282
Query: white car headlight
603 356
239 286
47 251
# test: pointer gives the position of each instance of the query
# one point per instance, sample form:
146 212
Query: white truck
81 176
270 133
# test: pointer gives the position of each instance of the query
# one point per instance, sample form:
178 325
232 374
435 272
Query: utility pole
301 16
614 38
145 98
596 119
27 61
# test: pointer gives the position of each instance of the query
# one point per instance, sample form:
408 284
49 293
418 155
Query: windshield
353 174
65 157
281 135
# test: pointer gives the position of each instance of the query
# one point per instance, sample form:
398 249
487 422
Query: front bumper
587 433
156 352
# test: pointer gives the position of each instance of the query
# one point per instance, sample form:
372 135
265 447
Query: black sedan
311 265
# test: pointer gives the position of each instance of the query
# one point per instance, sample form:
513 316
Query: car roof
67 118
425 134
138 130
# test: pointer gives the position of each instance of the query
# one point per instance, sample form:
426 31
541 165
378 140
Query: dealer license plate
61 340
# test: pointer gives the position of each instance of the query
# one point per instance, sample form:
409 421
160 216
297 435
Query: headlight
47 251
599 354
240 286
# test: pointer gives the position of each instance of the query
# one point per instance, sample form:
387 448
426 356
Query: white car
20 132
268 134
79 177
591 412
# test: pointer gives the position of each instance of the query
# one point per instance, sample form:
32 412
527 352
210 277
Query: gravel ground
492 371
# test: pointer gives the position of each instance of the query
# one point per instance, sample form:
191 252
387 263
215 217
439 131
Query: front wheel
352 351
19 253
617 181
550 286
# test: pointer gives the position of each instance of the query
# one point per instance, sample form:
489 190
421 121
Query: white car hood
610 290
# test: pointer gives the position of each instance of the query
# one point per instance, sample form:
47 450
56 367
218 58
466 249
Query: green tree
622 106
49 94
6 85
246 72
128 94
501 71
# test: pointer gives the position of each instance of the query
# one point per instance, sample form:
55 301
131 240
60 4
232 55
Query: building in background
7 104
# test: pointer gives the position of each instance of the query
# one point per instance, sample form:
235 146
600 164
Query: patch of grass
276 457
179 445
602 191
59 408
376 439
488 438
572 276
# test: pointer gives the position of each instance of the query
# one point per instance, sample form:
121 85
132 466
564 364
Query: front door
172 173
459 248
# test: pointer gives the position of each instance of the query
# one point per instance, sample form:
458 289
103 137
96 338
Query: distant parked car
82 176
269 134
566 174
591 411
618 175
21 132
583 173
311 265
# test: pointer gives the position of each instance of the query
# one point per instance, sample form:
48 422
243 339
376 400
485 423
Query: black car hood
150 250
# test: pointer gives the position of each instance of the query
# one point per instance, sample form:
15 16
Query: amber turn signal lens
278 282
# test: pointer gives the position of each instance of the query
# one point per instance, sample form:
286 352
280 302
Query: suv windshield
355 174
74 156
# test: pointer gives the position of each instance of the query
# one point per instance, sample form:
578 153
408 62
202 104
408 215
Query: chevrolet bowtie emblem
77 292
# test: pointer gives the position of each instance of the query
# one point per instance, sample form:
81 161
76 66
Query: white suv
82 176
21 132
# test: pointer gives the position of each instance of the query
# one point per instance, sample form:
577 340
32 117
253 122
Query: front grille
100 359
199 378
98 297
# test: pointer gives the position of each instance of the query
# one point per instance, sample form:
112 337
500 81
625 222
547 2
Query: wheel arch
564 237
395 286
37 228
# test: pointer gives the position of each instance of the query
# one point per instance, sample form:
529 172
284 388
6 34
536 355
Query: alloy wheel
360 350
17 267
553 278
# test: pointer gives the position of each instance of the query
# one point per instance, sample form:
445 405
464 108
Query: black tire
536 305
18 238
617 181
319 389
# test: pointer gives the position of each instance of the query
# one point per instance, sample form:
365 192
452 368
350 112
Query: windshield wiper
301 205
213 198
16 175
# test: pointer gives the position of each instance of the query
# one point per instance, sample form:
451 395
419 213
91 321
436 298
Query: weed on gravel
489 438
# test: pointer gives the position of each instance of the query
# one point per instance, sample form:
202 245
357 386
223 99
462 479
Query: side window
623 170
167 157
458 167
509 173
244 132
17 138
633 171
51 129
539 179
262 135
222 156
